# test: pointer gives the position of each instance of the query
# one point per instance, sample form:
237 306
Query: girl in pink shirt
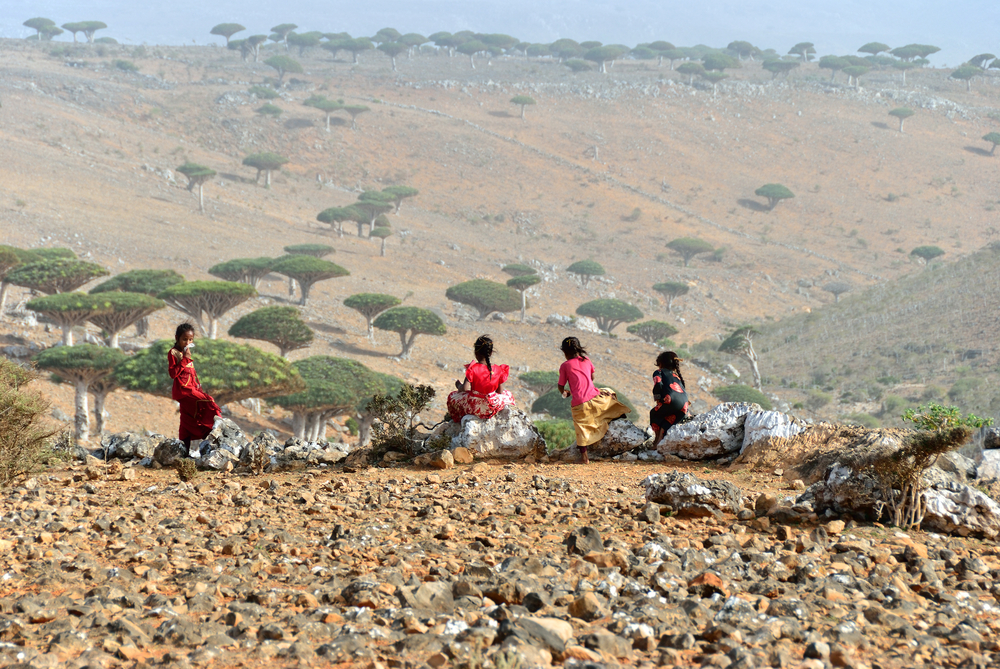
592 408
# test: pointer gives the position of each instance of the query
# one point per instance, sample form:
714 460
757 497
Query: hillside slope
87 148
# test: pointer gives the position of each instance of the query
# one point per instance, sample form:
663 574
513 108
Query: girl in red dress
481 394
198 410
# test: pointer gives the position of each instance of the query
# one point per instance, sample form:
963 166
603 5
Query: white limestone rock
713 434
509 435
759 425
962 510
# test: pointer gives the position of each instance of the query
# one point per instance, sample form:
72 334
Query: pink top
579 373
482 381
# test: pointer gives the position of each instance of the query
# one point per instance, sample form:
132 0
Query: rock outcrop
622 436
714 434
129 446
687 494
509 435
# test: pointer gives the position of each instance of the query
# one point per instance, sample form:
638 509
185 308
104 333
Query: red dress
483 401
198 410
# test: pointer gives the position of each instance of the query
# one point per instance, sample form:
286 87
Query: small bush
937 417
187 470
817 399
863 419
559 434
741 393
396 427
126 65
352 426
892 404
23 436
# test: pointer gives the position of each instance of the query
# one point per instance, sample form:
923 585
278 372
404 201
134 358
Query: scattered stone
128 446
688 494
584 540
437 460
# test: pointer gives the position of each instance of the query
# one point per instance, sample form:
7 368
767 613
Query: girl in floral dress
481 393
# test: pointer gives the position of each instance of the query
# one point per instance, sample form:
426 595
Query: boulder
960 509
989 466
687 494
169 452
508 435
584 540
437 460
714 434
127 445
270 445
771 425
622 436
298 453
223 447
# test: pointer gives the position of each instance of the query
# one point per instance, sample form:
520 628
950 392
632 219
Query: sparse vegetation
586 270
609 313
486 297
281 326
689 247
742 393
24 433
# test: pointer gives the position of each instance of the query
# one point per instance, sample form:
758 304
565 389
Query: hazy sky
962 29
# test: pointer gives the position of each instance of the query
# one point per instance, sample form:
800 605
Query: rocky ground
478 565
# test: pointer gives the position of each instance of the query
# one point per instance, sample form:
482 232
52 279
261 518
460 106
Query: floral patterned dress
671 400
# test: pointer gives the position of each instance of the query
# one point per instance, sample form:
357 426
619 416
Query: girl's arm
499 389
562 390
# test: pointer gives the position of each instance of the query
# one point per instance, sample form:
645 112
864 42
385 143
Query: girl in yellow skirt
592 408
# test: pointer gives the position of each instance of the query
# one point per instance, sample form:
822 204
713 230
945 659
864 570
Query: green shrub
741 393
892 404
126 66
186 469
964 386
559 434
937 417
352 426
817 399
23 433
863 419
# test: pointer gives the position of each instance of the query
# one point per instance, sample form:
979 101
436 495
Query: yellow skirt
590 419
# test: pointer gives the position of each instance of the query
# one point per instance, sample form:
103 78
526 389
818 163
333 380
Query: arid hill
609 167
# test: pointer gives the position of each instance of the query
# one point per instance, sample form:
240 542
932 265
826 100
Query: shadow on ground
752 205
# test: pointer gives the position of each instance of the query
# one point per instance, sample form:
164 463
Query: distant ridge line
626 186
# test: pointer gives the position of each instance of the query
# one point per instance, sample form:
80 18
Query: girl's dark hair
181 330
483 348
572 347
668 360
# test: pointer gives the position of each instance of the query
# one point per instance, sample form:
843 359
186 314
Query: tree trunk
383 247
604 67
99 399
299 425
968 85
305 292
522 112
472 61
904 76
407 345
751 357
67 335
81 423
201 197
328 123
269 178
361 229
901 124
5 288
213 331
291 287
524 304
284 352
365 430
393 63
113 340
355 57
670 303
